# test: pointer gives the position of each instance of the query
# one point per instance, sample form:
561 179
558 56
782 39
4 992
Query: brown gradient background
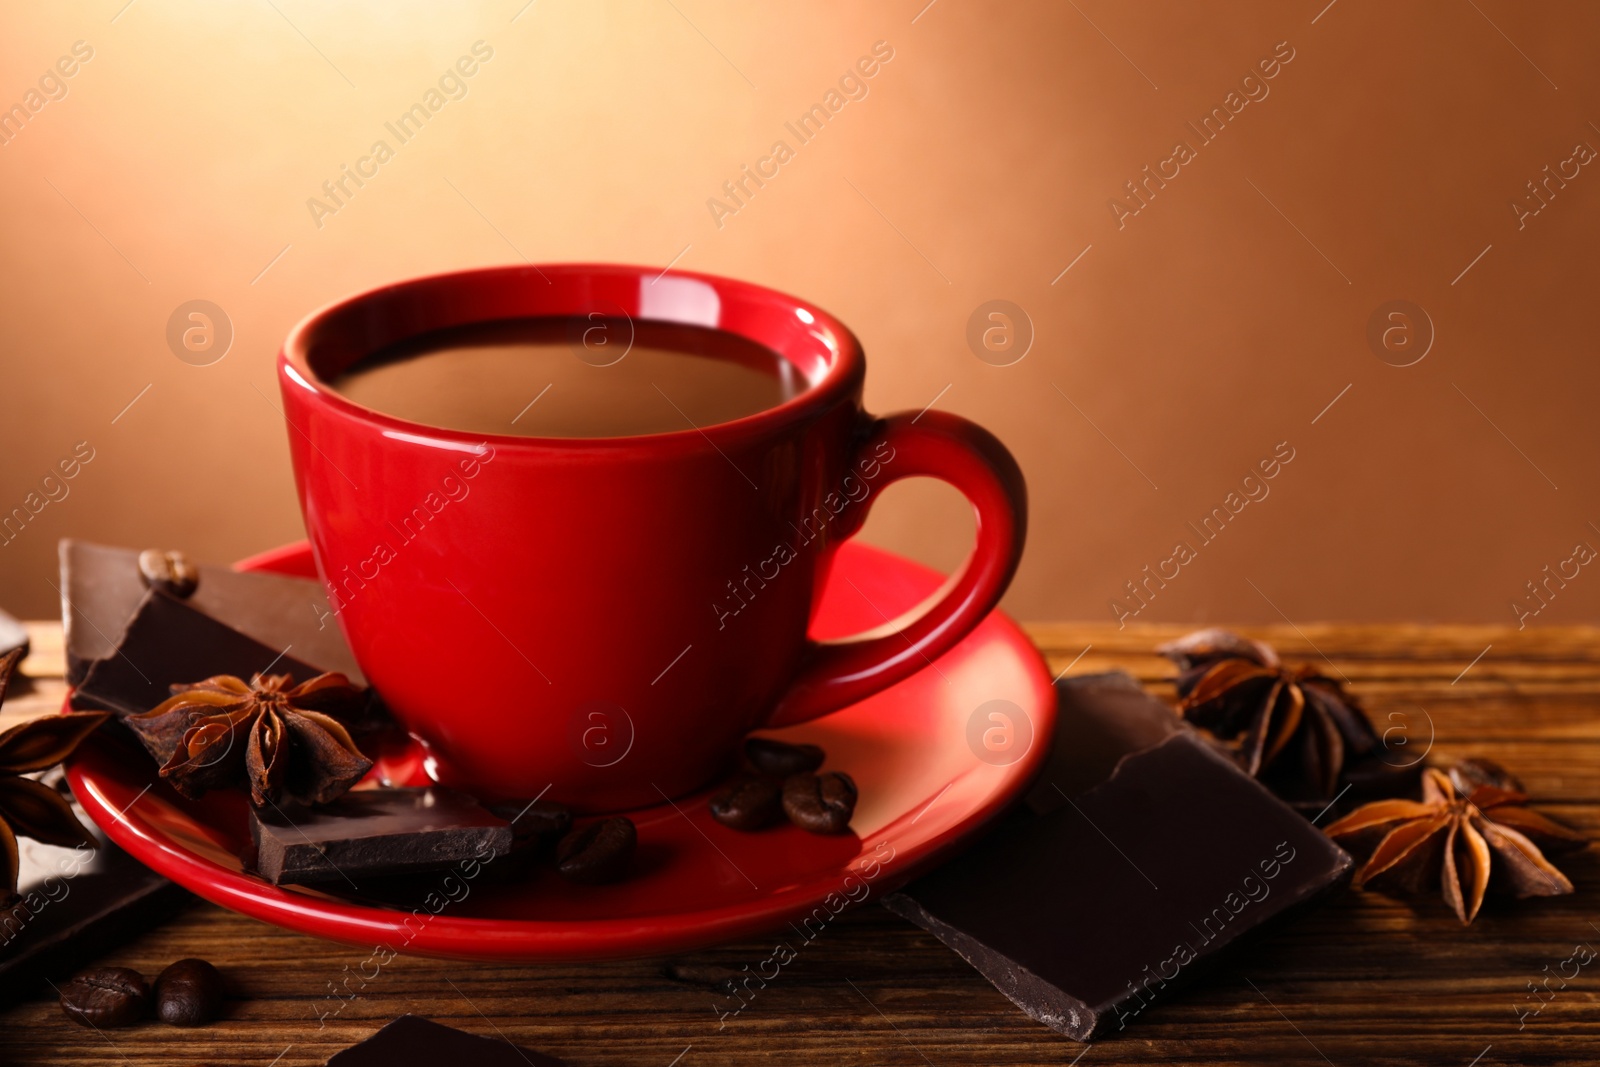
1211 327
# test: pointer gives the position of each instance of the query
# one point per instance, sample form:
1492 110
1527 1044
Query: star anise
1471 832
1293 727
27 807
281 738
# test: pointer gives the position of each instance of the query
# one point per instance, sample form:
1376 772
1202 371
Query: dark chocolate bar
168 642
75 905
1100 718
370 833
1088 914
102 588
414 1040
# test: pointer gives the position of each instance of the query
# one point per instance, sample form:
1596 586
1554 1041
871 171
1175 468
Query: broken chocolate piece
168 642
374 833
102 587
411 1039
1099 719
74 905
1088 914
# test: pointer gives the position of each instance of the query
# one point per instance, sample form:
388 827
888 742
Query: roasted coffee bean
781 759
106 997
821 803
597 853
170 572
189 993
749 803
534 825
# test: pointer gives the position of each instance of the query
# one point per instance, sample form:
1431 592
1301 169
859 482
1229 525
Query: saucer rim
554 941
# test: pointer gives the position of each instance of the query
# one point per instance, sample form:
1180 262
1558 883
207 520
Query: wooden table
1364 980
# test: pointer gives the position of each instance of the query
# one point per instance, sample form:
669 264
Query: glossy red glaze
608 617
924 791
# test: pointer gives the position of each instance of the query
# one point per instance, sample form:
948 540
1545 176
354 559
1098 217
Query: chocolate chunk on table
372 833
414 1040
1089 914
103 589
1099 719
75 906
169 642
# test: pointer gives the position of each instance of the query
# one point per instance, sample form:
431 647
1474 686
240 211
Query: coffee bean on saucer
821 803
781 759
170 572
749 803
106 997
597 853
189 993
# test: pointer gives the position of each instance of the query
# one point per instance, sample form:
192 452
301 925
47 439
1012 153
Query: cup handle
836 673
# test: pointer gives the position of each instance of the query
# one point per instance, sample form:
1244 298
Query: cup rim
839 381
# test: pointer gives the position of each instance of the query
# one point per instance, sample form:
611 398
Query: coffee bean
106 997
597 853
780 758
170 572
189 993
749 803
821 803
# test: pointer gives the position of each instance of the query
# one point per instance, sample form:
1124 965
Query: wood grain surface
1364 980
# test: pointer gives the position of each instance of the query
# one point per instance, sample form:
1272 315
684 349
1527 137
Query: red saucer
924 791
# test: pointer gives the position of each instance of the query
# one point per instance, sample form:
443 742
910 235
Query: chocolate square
375 833
1088 914
75 905
1100 718
102 588
168 642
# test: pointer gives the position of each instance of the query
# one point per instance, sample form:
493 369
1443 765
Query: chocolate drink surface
572 377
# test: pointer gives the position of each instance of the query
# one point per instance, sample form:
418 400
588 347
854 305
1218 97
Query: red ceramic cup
608 617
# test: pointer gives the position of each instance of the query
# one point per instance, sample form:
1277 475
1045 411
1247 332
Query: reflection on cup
601 733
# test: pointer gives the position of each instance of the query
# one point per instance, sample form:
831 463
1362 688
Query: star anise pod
1292 727
1470 832
28 807
279 737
